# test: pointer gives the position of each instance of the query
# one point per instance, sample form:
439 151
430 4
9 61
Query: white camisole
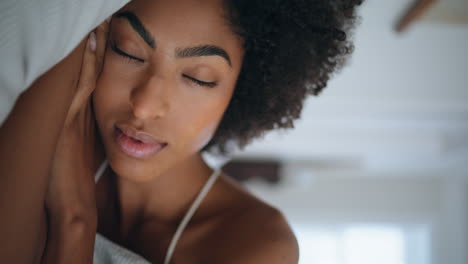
108 252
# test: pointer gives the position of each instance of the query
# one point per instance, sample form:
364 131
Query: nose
151 99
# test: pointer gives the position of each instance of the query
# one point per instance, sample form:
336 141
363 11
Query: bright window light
319 247
360 244
370 245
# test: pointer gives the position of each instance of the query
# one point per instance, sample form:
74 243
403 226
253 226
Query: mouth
135 143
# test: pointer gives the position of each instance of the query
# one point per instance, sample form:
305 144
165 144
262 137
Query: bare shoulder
254 232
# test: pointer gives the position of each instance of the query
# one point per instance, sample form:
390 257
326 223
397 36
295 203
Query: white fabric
108 252
36 34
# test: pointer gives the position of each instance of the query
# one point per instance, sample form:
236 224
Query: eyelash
123 54
200 83
132 58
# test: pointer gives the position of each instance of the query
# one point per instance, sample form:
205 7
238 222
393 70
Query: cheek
208 119
100 96
108 98
98 100
199 126
204 136
112 87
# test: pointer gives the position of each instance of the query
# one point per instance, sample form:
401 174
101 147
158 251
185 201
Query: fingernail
92 41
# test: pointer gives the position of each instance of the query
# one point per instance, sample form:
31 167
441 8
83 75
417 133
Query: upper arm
259 239
25 161
42 240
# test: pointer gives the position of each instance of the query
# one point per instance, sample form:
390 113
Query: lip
135 143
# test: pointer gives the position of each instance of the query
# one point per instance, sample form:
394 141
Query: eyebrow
203 50
197 51
138 27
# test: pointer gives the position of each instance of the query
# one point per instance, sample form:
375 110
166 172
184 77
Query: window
363 244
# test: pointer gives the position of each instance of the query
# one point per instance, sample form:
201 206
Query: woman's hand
71 190
70 199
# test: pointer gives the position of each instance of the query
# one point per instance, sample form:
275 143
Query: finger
102 32
88 75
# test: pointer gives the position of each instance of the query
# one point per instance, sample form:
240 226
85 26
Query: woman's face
169 73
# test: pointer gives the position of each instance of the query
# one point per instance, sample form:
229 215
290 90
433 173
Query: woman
178 78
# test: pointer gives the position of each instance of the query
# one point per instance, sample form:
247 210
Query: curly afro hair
291 49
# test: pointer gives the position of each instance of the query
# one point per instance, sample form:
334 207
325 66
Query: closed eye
199 82
124 54
133 58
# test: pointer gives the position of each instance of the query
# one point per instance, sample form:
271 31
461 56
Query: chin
132 170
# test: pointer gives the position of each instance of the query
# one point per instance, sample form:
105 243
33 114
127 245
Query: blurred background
376 169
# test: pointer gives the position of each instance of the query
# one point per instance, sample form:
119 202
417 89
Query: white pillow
36 34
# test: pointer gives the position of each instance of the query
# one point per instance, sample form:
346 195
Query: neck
164 199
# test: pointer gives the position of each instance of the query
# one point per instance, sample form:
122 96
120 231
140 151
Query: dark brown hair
291 49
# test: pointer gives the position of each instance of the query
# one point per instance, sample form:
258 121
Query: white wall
451 230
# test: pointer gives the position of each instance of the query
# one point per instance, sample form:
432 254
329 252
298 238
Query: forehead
185 23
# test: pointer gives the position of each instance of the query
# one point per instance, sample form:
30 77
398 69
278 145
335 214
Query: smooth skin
70 199
140 201
28 140
153 91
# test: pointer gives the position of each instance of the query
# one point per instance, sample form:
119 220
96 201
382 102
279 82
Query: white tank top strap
193 207
196 203
100 170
